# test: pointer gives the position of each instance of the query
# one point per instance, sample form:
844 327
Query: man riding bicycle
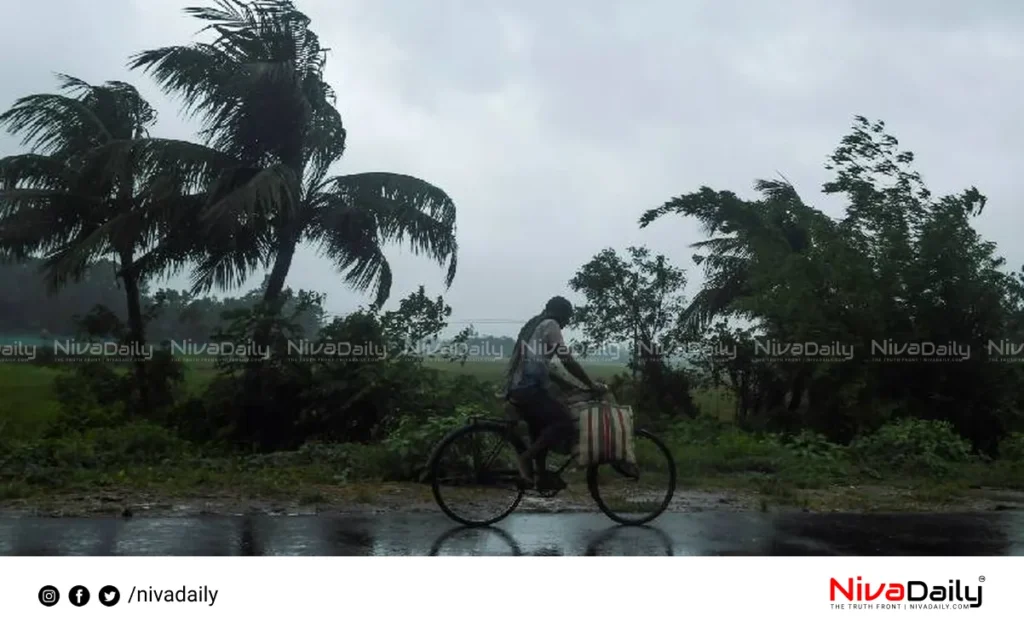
529 389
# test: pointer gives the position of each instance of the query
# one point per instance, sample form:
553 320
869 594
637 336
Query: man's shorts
539 408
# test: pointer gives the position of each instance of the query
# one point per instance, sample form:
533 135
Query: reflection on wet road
419 534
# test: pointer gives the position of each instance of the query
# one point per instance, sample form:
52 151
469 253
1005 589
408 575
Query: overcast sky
555 124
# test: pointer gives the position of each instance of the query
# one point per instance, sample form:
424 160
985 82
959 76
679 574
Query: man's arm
563 383
574 368
553 337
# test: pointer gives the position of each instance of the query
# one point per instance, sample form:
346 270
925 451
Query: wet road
418 534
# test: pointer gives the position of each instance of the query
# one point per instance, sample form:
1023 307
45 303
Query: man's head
559 309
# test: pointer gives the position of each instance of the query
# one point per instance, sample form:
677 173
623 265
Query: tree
80 197
901 266
417 321
639 300
934 279
272 135
739 233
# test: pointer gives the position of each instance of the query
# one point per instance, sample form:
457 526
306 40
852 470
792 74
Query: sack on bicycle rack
606 434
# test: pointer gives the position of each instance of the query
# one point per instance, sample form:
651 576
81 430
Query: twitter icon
109 596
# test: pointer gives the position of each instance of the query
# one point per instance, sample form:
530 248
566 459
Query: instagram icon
49 596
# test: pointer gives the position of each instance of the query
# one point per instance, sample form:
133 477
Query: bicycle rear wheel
636 498
474 474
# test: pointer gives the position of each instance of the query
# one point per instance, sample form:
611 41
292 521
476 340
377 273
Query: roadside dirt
319 500
374 498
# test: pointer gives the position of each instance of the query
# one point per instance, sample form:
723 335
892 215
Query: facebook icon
79 596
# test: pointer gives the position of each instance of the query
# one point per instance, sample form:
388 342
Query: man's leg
534 426
539 457
557 422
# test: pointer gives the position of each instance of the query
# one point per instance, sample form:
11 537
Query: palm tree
271 136
740 234
80 196
762 257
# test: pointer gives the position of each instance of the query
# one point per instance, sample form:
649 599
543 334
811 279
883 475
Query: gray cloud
555 125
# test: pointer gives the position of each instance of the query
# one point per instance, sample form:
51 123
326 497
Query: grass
26 400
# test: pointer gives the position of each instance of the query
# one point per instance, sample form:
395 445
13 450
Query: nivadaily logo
913 594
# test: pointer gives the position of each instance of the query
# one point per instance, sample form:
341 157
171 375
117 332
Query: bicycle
499 471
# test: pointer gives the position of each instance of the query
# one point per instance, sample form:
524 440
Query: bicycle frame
510 422
511 428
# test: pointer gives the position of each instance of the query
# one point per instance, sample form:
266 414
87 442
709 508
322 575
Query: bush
190 419
744 452
813 446
343 462
356 401
49 459
98 395
85 416
1012 447
659 391
165 376
89 396
913 446
353 461
414 438
83 385
139 443
353 398
402 456
814 459
700 430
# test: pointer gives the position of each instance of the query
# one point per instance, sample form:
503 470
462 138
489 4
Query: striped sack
606 434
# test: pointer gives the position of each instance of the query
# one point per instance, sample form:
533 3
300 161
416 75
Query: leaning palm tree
77 197
273 131
741 235
758 254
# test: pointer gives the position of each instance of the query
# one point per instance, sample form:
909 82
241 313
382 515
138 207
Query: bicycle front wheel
640 495
475 476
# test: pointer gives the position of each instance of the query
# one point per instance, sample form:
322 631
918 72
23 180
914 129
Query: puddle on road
526 534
